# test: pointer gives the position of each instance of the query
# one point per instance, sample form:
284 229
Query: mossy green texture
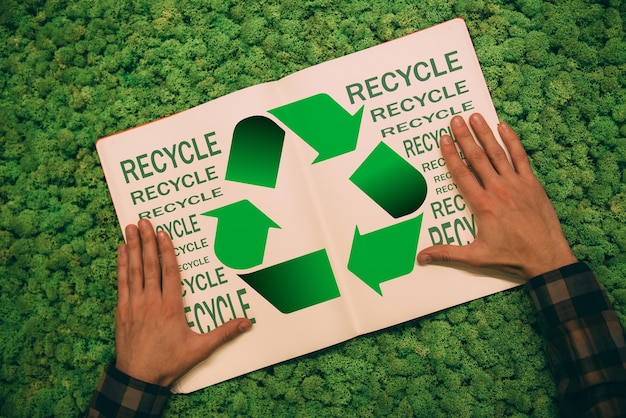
72 72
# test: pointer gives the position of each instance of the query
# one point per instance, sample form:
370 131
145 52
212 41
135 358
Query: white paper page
409 89
213 292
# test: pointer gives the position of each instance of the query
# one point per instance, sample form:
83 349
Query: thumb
445 254
224 333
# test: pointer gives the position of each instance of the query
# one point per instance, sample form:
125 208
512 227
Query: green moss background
74 71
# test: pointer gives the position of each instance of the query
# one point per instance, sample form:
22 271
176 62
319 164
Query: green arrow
385 254
255 152
391 182
296 284
241 234
322 123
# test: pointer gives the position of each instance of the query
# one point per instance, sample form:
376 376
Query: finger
170 276
461 174
221 335
122 277
516 150
473 152
495 152
151 263
135 261
446 254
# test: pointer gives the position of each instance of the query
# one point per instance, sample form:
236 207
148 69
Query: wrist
143 375
134 380
550 263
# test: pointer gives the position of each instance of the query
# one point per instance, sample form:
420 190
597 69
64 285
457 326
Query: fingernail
456 122
244 326
425 259
445 140
477 118
131 231
505 126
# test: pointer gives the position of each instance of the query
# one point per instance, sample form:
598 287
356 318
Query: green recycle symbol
329 129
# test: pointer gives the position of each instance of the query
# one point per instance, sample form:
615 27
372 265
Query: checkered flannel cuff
585 340
119 395
569 293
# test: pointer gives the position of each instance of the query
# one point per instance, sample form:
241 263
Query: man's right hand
517 228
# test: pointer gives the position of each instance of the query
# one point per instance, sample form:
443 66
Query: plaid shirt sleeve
585 341
119 395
